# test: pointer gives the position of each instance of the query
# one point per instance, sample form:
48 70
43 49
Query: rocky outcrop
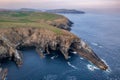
63 23
45 41
8 50
3 74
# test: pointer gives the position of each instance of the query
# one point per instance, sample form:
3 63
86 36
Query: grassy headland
44 20
27 16
41 30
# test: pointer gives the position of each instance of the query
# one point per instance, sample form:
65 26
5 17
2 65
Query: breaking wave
91 67
72 65
96 44
74 52
81 58
53 57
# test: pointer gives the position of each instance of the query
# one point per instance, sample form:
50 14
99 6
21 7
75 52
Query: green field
25 16
28 19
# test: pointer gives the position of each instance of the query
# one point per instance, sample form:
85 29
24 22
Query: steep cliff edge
25 29
44 40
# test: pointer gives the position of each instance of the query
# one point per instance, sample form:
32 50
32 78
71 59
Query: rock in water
3 74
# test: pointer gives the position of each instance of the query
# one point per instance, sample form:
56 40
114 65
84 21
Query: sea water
100 31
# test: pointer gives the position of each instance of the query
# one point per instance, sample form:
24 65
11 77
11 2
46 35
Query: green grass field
10 19
24 16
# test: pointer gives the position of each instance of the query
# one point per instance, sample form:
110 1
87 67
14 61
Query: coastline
31 36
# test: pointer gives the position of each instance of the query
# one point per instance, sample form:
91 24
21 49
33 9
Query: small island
45 31
65 11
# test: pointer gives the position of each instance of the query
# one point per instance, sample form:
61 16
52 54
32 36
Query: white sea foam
96 44
91 67
74 52
53 57
72 65
109 69
81 58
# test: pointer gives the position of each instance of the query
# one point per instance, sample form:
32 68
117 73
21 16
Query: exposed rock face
3 73
8 50
44 40
63 23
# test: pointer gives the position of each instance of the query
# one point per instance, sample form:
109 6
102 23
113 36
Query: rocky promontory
45 41
3 74
44 31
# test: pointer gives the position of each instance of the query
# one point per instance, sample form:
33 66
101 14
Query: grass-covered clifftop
32 19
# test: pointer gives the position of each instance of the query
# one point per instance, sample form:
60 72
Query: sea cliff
44 31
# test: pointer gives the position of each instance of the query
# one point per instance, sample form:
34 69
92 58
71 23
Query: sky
54 4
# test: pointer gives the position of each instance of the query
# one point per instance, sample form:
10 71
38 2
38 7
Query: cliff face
44 40
3 73
40 30
61 23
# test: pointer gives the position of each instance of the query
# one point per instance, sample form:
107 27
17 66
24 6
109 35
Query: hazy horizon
109 5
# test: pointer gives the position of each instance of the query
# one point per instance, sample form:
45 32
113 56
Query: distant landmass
66 11
1 10
29 9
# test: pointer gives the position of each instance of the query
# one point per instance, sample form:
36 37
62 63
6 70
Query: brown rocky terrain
3 73
44 40
44 35
63 23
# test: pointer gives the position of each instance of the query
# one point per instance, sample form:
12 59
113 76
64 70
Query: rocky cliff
3 74
44 40
44 36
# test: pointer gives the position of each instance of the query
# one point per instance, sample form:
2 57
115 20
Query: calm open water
100 31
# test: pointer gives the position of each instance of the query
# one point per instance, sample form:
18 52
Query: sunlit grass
9 19
37 25
17 16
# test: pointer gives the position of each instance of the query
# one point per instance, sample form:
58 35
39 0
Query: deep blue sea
100 31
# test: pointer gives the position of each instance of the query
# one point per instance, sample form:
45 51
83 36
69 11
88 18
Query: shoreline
45 40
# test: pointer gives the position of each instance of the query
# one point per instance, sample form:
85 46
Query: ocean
100 31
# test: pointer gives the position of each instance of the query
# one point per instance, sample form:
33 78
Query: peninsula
45 31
